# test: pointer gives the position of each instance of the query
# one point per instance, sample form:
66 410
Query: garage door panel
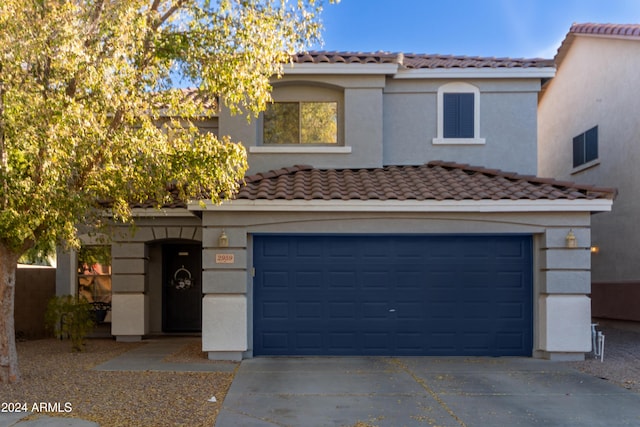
275 279
309 310
476 310
308 249
373 277
275 342
342 310
442 343
309 341
442 310
308 279
274 310
409 278
511 310
473 343
341 279
510 341
413 310
385 295
375 310
339 249
510 280
376 342
343 342
275 249
446 249
512 249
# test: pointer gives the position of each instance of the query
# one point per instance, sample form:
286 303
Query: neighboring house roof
618 31
418 61
436 180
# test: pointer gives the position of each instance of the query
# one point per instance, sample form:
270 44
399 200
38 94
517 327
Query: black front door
182 288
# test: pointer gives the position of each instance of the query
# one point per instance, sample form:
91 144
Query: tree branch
3 156
168 13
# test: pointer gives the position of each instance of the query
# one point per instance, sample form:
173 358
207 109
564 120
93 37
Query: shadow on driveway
422 391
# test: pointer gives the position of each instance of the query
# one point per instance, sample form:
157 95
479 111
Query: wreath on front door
182 279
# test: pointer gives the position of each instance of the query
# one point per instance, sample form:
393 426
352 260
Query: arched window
458 114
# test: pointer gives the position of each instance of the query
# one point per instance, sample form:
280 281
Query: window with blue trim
585 147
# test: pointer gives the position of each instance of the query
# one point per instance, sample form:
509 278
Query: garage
439 295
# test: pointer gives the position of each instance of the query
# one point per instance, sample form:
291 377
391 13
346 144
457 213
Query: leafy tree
83 86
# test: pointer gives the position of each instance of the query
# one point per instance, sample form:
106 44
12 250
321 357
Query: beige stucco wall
391 122
561 275
360 122
597 84
507 123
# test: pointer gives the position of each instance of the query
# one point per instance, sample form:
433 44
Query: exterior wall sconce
223 240
595 249
571 240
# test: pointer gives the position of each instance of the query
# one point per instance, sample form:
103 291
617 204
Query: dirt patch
66 382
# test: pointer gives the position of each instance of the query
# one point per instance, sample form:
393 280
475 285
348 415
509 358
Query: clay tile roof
443 61
436 180
627 31
334 57
418 61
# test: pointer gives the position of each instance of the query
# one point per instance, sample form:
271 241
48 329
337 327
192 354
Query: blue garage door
393 295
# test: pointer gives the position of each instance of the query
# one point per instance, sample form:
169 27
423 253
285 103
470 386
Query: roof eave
341 69
424 206
476 73
163 212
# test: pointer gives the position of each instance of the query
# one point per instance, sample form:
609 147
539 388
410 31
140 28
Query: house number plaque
225 258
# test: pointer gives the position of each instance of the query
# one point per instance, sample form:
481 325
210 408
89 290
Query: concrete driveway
422 391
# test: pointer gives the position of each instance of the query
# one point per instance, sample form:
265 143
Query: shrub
70 317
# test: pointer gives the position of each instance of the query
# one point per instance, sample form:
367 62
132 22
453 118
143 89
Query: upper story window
304 118
585 147
301 123
458 114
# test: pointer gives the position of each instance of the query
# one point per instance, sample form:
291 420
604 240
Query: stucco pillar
129 313
129 302
564 308
225 324
566 331
66 278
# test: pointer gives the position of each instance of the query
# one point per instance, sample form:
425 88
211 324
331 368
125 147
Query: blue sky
501 28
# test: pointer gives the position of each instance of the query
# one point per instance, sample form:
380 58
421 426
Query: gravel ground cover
53 375
621 364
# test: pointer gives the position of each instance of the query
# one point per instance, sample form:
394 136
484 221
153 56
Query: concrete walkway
149 357
444 392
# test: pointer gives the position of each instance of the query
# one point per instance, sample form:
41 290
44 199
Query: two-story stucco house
361 229
589 132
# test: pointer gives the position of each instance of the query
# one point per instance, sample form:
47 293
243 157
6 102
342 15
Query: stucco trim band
594 205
